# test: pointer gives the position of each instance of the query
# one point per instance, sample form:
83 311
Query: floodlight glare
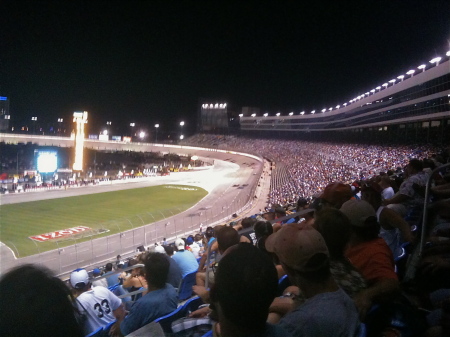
393 81
330 109
338 106
345 104
241 115
401 77
156 125
181 123
302 113
277 114
410 72
323 110
313 112
291 113
422 66
266 114
385 84
436 60
253 115
378 88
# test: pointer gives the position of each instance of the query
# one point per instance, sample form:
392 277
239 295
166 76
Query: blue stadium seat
208 334
96 333
185 288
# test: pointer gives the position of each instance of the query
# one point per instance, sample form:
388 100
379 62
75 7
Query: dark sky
151 61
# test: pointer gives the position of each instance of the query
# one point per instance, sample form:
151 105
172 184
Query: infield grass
106 213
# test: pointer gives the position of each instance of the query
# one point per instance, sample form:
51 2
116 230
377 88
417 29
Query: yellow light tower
79 117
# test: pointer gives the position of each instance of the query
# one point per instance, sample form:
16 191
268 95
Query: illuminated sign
59 234
47 161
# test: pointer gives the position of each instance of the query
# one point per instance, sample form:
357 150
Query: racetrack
222 201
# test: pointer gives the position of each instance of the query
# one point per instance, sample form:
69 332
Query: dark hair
416 164
263 228
169 250
369 231
209 232
33 302
372 196
317 269
248 222
227 237
335 228
108 266
156 269
245 285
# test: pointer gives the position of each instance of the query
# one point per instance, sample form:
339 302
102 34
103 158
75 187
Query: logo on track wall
59 234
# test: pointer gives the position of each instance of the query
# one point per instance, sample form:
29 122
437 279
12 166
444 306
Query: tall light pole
181 130
132 125
60 120
34 119
156 133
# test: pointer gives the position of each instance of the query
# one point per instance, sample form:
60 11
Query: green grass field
106 213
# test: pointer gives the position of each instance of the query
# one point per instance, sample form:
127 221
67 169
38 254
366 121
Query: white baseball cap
79 278
179 243
160 249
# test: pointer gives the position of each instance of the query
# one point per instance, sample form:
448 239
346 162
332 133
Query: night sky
152 61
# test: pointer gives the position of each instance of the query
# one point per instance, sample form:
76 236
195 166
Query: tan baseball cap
295 244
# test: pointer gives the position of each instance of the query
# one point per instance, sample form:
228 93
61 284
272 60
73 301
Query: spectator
33 302
135 279
113 278
328 310
247 232
370 255
184 258
335 194
160 299
174 278
99 304
246 284
98 283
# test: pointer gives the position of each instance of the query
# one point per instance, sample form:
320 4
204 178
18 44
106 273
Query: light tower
79 117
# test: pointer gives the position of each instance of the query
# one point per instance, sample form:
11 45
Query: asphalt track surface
232 184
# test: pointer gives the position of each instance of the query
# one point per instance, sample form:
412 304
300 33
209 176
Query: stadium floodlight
277 114
108 122
7 116
181 137
338 106
132 124
253 115
436 60
156 125
372 91
447 53
345 104
291 113
181 123
60 120
313 112
330 109
141 134
401 77
302 113
393 81
422 66
323 110
410 72
241 115
266 114
367 93
378 88
34 118
385 85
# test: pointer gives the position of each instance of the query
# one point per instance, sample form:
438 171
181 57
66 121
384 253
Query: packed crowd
339 255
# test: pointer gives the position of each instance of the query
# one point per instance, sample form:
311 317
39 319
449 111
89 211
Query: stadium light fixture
253 115
385 85
266 114
241 115
313 112
447 53
401 77
338 106
181 137
142 134
345 104
378 88
393 81
436 60
302 113
422 67
132 124
323 110
105 132
330 109
367 93
410 72
108 122
277 114
181 123
372 91
60 120
34 118
291 113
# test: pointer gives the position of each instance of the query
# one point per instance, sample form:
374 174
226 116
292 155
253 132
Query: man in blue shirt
160 300
184 258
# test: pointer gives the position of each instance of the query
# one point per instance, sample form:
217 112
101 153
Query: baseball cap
358 211
337 193
160 249
296 244
96 271
79 278
179 243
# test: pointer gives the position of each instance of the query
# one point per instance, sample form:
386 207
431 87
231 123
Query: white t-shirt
195 249
387 193
100 283
99 304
